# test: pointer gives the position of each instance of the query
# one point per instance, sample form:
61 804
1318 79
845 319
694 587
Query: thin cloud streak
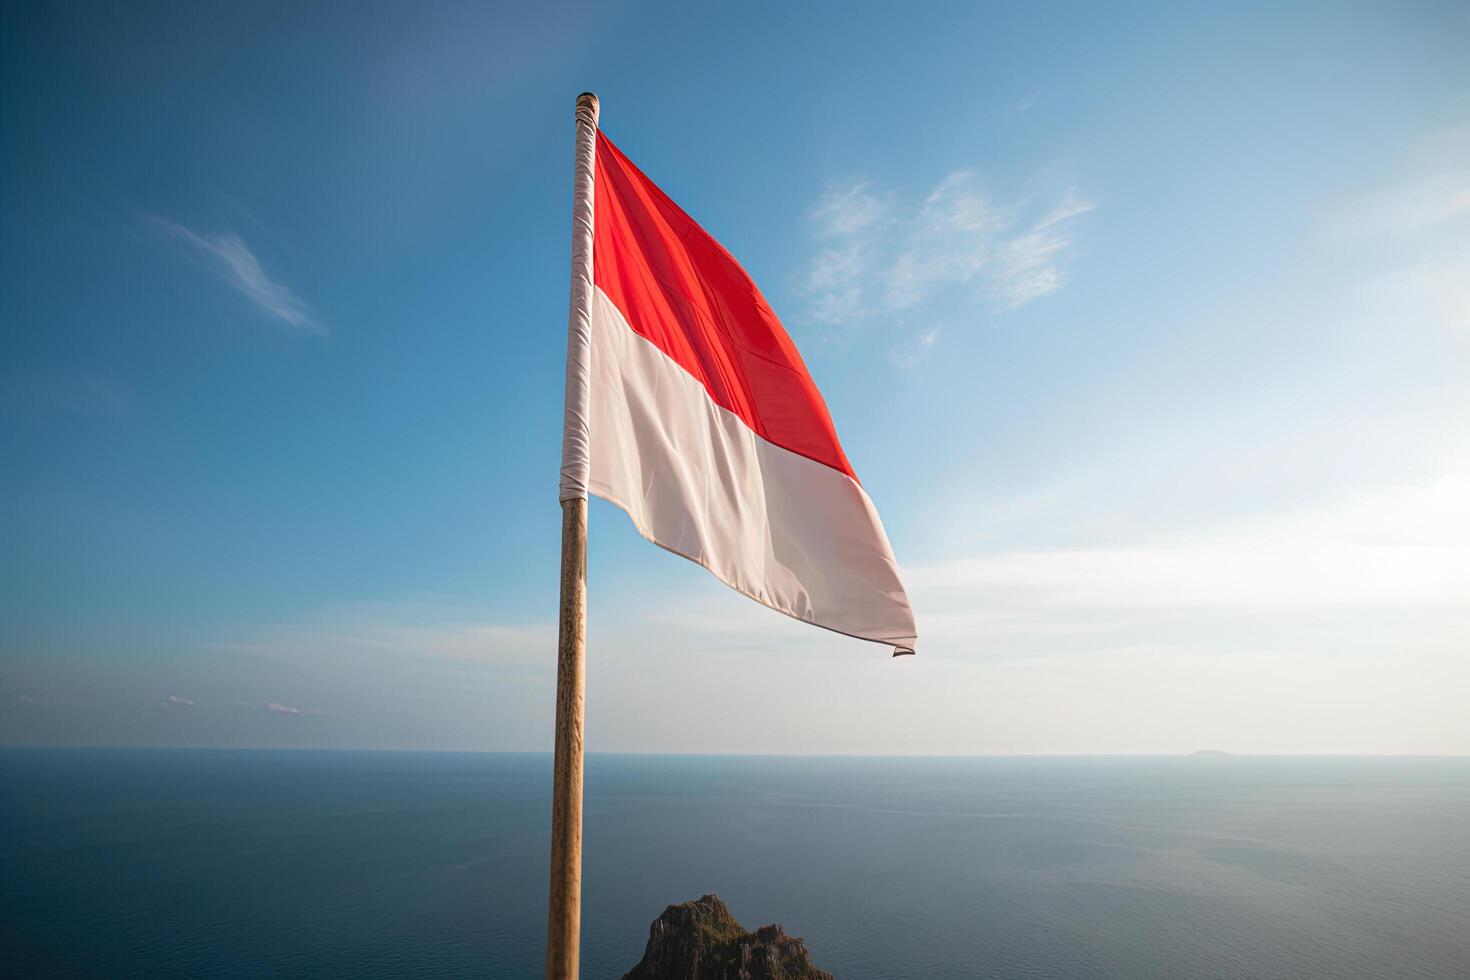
405 630
234 262
878 259
1382 555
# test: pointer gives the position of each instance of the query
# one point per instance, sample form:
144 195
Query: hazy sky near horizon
1147 329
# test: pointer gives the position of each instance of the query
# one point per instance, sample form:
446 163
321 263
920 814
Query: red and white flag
689 407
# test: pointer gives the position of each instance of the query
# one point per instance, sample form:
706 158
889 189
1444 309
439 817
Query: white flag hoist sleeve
575 423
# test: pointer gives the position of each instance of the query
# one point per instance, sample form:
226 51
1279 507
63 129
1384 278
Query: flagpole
563 929
564 912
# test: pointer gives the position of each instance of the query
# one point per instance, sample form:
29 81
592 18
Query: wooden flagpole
563 927
564 914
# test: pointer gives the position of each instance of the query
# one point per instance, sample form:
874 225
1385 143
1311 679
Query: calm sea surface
255 864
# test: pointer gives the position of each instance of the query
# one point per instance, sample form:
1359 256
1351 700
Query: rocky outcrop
702 941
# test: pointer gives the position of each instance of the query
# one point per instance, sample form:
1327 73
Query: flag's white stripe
785 530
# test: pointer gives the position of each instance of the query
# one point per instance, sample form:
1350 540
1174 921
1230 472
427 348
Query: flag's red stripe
680 289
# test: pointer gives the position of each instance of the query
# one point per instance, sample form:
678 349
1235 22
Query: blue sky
1146 328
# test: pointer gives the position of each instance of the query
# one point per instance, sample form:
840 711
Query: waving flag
690 408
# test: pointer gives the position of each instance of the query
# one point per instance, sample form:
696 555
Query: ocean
185 863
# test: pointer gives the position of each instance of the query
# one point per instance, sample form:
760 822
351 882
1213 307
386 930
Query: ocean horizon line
1196 754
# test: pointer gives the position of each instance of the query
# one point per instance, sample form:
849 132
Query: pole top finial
587 102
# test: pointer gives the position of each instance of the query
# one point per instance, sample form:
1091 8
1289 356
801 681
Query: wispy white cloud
1070 206
1404 548
174 701
878 259
837 283
952 238
847 210
1031 264
237 265
275 707
962 236
849 221
414 629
